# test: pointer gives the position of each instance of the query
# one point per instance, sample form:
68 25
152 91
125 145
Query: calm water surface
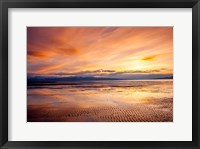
115 100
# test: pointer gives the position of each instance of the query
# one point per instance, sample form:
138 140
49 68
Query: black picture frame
6 4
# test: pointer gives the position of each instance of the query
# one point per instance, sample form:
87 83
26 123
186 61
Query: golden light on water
145 100
100 74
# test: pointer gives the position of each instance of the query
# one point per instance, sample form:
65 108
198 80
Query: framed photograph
103 74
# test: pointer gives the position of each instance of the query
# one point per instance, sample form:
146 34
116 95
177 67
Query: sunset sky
115 52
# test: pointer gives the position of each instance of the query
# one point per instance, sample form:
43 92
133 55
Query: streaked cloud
99 50
149 58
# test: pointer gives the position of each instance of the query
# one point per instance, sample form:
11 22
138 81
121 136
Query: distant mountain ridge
62 79
171 77
49 79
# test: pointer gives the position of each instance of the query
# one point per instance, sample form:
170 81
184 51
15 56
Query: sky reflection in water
123 94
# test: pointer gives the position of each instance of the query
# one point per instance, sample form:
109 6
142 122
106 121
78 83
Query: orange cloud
77 49
149 58
68 51
50 68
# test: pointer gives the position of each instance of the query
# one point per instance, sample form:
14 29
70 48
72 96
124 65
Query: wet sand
126 101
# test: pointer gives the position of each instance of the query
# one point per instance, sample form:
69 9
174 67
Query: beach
101 101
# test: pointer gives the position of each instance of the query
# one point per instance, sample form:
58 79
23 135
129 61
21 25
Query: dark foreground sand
151 111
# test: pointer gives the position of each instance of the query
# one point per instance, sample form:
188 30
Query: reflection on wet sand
101 101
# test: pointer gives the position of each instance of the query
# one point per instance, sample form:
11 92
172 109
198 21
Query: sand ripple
154 111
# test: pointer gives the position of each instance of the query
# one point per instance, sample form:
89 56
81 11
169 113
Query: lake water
101 101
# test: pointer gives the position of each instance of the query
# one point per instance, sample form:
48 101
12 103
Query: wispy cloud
149 58
99 50
109 73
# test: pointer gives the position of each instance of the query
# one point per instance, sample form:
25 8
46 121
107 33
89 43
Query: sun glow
64 50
